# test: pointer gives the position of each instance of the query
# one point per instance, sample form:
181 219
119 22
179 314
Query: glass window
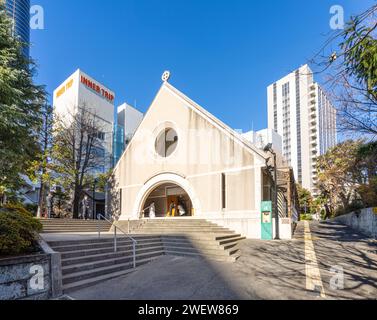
166 142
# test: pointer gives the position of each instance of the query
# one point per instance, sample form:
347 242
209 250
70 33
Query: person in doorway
172 209
181 208
152 211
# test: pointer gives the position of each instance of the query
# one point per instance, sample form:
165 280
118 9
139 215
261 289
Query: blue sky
222 54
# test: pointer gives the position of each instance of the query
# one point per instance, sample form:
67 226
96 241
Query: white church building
185 163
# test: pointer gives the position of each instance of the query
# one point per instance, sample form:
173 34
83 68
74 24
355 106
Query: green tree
305 199
366 164
338 175
20 110
41 167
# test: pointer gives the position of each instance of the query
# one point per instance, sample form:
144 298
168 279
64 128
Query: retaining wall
31 277
364 221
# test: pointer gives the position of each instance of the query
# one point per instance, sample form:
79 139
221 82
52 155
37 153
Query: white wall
130 118
261 138
365 221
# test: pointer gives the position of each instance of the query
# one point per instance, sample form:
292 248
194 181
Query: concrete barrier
31 277
364 221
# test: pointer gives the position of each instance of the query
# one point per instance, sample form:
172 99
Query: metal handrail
134 242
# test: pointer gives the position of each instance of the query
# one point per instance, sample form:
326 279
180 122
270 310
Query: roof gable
207 116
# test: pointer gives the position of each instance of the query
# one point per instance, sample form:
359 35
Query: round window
166 142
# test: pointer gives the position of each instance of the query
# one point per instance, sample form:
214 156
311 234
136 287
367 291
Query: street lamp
268 148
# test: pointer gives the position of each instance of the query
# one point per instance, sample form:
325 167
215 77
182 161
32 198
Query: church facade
183 163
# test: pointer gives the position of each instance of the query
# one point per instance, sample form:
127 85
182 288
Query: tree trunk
41 199
76 203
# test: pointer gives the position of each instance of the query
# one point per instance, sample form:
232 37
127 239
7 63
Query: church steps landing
86 262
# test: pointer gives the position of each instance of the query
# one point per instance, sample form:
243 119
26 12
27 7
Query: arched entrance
165 179
167 200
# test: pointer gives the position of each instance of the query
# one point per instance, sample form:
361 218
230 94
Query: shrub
17 231
352 207
306 217
32 208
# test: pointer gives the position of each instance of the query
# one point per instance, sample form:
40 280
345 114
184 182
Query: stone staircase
88 262
73 226
194 237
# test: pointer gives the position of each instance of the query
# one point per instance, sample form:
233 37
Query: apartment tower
300 111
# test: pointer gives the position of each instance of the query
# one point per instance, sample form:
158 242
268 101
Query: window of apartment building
275 108
286 121
99 152
298 124
101 135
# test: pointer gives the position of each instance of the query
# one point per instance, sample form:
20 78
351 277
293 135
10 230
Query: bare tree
77 153
45 137
350 73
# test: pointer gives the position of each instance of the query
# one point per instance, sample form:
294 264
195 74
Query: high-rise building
82 91
19 12
300 111
128 120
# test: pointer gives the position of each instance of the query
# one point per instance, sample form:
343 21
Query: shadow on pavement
341 246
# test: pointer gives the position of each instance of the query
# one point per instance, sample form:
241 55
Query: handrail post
128 225
115 239
100 216
98 228
134 250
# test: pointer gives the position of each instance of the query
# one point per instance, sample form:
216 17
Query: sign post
266 220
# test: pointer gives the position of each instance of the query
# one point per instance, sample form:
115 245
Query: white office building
300 111
79 91
128 120
263 137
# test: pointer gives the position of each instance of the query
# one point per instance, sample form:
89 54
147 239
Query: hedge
17 231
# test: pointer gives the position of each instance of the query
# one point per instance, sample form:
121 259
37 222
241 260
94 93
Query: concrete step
57 221
81 272
128 268
177 223
70 231
212 245
183 232
107 249
204 236
73 226
108 255
184 228
95 241
203 256
78 223
203 251
73 230
85 249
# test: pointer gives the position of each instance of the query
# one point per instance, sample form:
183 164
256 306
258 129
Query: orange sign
64 88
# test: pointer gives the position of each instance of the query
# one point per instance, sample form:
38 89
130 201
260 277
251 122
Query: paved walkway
266 270
340 248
